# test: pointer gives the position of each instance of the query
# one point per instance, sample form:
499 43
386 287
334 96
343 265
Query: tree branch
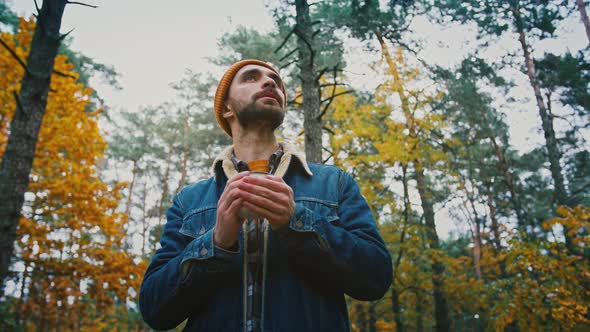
331 84
331 98
286 39
288 64
80 3
336 95
300 35
330 156
62 74
11 51
288 54
328 130
37 7
62 37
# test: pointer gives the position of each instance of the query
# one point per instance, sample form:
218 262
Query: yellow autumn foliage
72 267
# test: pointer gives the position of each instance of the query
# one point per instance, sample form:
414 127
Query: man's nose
269 82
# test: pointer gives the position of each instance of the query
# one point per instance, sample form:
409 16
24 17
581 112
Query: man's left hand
269 197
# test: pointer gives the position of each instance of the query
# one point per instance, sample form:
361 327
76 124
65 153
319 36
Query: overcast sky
151 43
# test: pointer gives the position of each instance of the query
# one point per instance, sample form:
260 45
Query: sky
152 43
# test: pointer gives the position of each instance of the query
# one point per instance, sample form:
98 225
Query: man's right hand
229 222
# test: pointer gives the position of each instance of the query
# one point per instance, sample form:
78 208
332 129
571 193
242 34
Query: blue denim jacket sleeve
349 256
182 275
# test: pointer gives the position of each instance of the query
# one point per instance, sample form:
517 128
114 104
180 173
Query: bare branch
301 133
315 33
330 156
336 95
286 39
11 51
80 3
328 130
62 37
331 84
62 74
331 98
300 35
288 55
37 7
288 64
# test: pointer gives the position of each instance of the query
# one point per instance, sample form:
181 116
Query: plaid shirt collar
273 161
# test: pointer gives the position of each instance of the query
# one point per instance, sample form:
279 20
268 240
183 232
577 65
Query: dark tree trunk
584 16
361 321
26 123
419 313
441 308
372 317
397 311
495 229
395 294
509 180
312 123
547 122
559 193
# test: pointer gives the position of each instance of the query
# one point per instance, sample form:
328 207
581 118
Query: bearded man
269 242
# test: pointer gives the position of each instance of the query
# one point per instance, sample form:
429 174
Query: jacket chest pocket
320 209
199 221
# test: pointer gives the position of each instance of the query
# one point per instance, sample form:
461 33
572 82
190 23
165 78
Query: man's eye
250 77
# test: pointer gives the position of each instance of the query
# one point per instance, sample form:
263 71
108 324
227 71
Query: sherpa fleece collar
289 151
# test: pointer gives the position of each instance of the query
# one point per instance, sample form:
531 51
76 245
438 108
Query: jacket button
201 231
204 251
299 224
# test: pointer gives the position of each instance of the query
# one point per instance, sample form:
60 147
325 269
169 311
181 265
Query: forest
84 188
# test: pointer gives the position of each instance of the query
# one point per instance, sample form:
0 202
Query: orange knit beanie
223 87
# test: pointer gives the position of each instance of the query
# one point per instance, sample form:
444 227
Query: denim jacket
331 247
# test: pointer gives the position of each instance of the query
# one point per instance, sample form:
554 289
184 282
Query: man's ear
227 112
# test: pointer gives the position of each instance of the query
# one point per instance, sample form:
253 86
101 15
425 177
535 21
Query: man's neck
250 145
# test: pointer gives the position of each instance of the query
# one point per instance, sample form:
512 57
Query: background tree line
427 144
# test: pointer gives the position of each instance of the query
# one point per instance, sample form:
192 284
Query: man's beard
253 114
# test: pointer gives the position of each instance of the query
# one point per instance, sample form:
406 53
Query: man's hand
229 222
269 197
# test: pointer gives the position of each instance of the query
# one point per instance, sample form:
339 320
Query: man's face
255 97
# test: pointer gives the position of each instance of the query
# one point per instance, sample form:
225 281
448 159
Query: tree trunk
312 124
440 302
397 311
183 165
509 180
419 317
441 308
494 227
372 317
144 220
164 190
395 304
559 193
547 123
476 220
584 16
26 123
361 320
131 185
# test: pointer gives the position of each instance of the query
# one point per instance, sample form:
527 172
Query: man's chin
271 116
